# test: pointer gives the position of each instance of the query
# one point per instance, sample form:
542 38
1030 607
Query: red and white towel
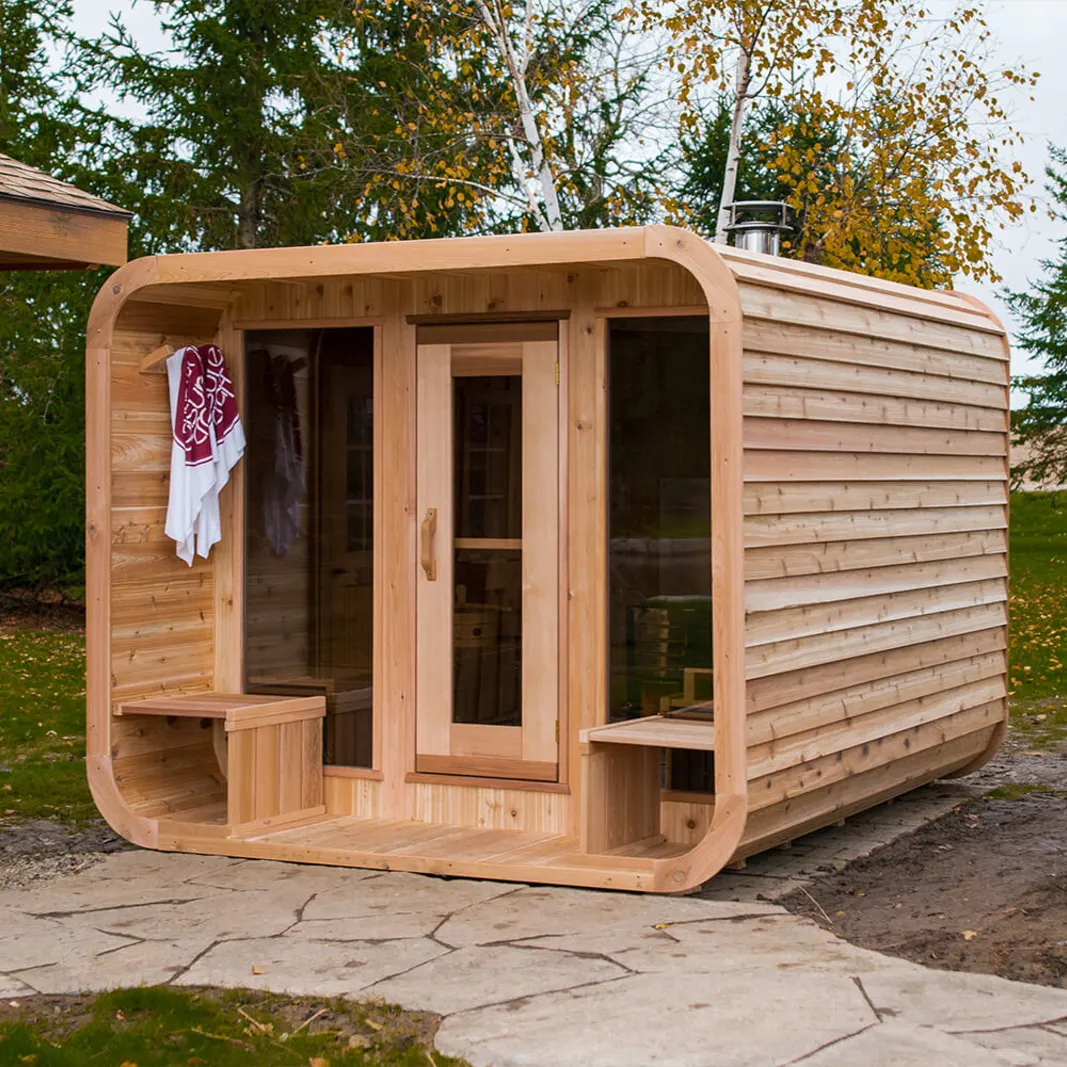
208 442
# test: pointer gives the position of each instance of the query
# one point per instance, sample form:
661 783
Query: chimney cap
741 208
758 225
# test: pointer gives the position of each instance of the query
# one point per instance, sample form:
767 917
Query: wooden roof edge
756 268
983 308
492 252
616 244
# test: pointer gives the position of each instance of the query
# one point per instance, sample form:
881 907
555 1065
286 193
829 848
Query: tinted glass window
659 521
309 593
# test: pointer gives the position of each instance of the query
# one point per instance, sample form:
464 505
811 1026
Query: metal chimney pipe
758 225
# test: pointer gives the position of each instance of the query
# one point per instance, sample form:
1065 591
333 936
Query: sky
1031 31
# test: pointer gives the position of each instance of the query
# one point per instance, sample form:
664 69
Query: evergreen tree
704 152
216 162
1041 426
257 118
42 323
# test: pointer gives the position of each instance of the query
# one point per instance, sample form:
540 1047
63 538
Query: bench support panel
620 796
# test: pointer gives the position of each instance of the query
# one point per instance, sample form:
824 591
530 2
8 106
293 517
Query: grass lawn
1038 653
42 726
163 1027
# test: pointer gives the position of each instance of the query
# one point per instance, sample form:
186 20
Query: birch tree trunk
547 212
733 154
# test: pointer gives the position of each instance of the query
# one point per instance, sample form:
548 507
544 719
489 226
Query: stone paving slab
401 894
979 1002
11 988
711 1018
528 976
891 1044
456 982
135 963
1023 1047
540 911
303 967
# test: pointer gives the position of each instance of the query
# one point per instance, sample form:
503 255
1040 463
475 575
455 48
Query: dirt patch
982 889
50 611
35 849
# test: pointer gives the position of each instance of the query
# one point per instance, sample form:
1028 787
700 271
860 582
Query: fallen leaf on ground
662 926
969 935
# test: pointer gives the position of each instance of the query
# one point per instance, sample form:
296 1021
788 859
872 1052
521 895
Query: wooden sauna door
487 698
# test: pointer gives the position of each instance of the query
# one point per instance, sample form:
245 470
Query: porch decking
436 848
230 801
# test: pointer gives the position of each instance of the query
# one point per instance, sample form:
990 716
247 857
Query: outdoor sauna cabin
602 558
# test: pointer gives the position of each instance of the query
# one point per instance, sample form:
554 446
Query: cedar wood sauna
613 556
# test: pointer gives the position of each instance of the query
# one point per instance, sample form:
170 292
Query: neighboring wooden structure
531 683
46 224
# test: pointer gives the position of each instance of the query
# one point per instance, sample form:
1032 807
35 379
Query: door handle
426 534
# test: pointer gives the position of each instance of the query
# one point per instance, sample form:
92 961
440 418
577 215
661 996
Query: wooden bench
621 776
273 752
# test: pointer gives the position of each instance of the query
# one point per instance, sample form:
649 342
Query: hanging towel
208 441
229 440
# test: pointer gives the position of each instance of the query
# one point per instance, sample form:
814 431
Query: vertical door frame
441 765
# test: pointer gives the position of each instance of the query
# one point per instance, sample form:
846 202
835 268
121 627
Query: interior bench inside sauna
248 765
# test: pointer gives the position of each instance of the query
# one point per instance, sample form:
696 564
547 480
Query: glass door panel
487 575
488 581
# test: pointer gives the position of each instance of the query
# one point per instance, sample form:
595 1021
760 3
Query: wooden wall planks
876 545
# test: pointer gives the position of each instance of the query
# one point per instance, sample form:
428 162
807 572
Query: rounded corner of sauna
710 855
116 290
165 774
704 262
976 763
114 807
984 308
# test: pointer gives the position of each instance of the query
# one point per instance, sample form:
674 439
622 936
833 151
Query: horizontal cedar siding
876 540
162 611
